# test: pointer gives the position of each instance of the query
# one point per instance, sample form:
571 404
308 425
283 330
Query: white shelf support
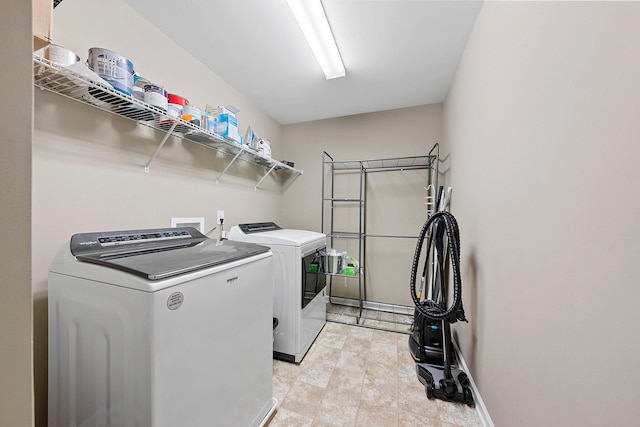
229 165
164 140
267 174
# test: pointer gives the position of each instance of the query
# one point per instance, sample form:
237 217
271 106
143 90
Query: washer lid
158 254
274 236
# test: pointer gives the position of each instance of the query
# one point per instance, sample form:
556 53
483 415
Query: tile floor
357 376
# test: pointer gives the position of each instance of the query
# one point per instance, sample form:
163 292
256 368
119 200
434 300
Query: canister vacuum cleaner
430 340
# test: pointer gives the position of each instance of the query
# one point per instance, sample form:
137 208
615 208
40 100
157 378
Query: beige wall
542 124
542 130
395 200
88 172
16 124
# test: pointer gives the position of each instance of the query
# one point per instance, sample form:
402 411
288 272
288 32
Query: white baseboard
483 414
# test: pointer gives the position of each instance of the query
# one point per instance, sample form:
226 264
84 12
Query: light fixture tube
313 22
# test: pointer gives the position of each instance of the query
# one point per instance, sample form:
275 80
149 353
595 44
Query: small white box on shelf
263 147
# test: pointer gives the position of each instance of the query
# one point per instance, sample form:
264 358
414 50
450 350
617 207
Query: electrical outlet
220 217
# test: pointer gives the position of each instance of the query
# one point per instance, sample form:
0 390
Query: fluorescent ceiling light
313 22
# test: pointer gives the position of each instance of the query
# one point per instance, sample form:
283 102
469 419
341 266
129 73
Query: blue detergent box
227 126
227 123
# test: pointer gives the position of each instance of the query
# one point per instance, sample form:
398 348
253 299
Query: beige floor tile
372 323
386 316
337 411
371 314
330 339
385 337
342 309
414 391
413 420
308 359
333 317
357 345
361 333
316 374
351 310
281 386
358 376
380 390
321 423
384 350
412 401
286 369
345 385
353 361
380 366
303 399
407 373
373 414
347 319
404 354
402 328
323 355
337 328
286 418
458 414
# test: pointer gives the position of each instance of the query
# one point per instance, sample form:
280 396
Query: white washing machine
299 301
160 328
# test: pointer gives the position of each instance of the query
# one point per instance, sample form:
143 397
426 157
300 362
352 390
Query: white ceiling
397 53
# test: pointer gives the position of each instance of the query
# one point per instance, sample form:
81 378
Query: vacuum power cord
428 308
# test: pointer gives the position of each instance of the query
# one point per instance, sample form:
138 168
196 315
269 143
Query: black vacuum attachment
453 386
430 340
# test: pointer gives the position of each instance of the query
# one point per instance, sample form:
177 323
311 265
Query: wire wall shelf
379 165
75 85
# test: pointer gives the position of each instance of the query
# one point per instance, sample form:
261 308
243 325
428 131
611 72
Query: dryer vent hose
428 308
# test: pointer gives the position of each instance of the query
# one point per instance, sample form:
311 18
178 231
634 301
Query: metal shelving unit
79 87
331 168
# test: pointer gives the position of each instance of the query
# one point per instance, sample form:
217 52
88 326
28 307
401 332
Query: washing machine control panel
147 237
258 227
100 244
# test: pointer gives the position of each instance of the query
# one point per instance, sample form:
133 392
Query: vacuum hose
428 308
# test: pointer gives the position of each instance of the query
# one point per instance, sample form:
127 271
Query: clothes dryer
299 300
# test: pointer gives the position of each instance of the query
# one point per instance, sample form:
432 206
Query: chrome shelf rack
330 169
